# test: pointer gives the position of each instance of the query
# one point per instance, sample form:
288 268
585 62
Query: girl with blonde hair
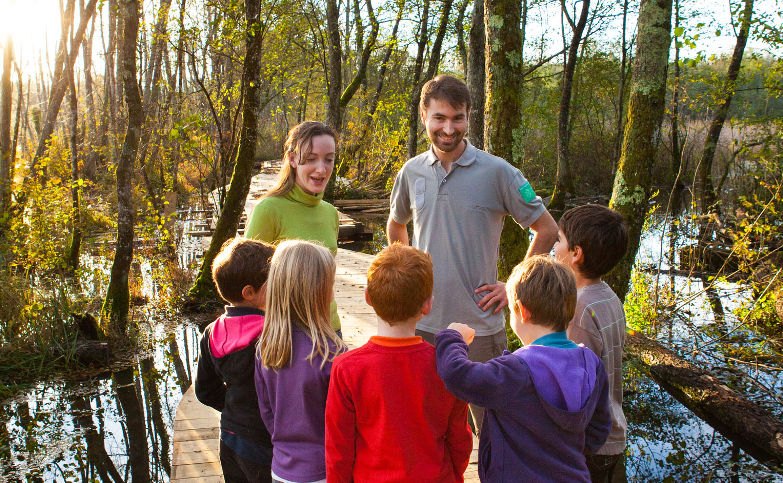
294 359
294 208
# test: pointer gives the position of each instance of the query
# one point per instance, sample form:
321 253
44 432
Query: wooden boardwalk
197 427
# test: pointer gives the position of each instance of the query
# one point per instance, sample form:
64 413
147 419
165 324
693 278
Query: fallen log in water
752 428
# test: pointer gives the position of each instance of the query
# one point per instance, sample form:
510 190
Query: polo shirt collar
467 158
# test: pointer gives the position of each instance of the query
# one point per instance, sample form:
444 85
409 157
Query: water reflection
119 426
115 427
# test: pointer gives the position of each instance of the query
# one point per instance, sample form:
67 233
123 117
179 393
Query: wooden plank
196 423
183 434
198 470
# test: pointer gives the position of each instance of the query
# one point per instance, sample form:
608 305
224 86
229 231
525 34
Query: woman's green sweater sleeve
263 224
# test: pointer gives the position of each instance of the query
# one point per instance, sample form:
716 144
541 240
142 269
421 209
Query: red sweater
390 418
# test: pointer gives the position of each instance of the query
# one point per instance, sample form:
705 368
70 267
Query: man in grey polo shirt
458 196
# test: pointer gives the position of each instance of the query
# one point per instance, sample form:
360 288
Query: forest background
122 115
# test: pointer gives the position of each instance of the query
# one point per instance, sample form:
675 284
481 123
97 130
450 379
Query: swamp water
103 427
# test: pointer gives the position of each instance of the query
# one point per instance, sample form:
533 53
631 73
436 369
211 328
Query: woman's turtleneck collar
298 194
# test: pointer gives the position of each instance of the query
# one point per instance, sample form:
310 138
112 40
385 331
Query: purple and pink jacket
546 406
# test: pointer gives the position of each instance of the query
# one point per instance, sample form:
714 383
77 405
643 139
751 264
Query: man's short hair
241 262
546 288
399 281
600 232
445 88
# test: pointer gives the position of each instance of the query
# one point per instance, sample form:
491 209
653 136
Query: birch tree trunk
203 289
642 132
704 191
117 303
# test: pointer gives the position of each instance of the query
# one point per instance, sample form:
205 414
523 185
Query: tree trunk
432 69
361 73
503 110
117 302
413 102
151 108
621 91
459 27
60 84
564 182
203 289
753 428
645 112
475 74
676 153
334 79
76 231
704 190
17 119
5 131
376 98
91 160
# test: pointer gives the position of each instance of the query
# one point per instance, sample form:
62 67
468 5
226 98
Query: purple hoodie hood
564 380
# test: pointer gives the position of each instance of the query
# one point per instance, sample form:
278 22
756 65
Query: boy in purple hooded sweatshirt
226 361
547 403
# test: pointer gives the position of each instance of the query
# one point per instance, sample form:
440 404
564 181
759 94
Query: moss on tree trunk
503 108
117 302
203 289
642 132
750 426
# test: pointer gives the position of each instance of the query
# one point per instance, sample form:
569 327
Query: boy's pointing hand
466 332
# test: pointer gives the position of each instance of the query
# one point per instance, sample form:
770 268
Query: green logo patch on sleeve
527 192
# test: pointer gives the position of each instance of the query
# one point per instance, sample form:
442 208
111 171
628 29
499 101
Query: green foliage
639 306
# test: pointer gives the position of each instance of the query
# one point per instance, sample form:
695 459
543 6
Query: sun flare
34 27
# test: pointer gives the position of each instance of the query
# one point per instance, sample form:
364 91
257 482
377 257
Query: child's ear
248 292
577 255
367 297
524 313
426 307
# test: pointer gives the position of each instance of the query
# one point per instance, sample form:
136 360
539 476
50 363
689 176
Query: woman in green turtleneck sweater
294 207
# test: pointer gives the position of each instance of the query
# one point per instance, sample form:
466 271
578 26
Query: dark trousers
237 469
606 468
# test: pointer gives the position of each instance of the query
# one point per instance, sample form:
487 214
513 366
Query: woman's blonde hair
298 144
298 293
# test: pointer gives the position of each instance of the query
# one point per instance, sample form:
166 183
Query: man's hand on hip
496 295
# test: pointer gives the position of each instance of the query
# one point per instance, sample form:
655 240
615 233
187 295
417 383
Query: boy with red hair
388 415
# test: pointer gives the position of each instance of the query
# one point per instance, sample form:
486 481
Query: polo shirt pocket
419 192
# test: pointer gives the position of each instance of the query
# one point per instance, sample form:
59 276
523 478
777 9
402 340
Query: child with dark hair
591 240
547 403
224 379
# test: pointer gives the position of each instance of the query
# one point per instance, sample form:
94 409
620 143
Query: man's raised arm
395 232
545 235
